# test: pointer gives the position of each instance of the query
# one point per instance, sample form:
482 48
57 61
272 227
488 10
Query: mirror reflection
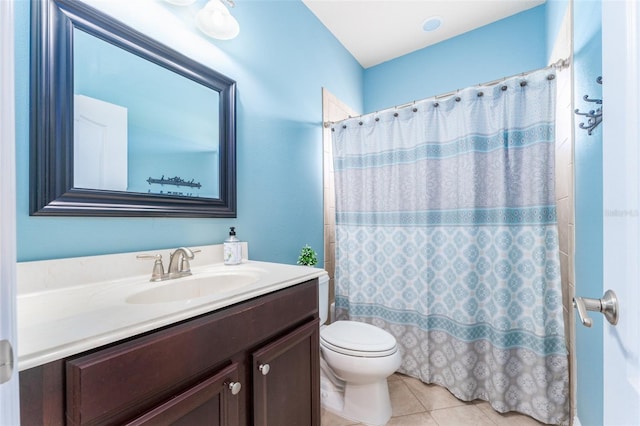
151 131
123 125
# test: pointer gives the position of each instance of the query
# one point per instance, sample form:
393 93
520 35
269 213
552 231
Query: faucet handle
158 268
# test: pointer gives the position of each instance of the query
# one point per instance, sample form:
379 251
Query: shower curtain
446 236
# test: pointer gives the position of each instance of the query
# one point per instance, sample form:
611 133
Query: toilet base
369 404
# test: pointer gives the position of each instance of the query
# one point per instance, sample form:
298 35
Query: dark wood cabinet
286 381
188 373
212 402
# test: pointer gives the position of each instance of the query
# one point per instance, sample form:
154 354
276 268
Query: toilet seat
357 339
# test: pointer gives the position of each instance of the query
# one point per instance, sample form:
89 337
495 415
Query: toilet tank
323 297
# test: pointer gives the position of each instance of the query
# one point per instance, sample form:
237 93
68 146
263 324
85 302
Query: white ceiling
376 31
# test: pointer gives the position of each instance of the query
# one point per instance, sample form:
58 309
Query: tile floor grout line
467 404
487 418
413 393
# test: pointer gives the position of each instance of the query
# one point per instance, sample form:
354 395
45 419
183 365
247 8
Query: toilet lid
357 339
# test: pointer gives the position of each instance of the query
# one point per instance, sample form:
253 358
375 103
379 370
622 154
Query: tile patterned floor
417 404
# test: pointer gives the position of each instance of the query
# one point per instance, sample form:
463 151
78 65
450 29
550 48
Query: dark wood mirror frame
51 119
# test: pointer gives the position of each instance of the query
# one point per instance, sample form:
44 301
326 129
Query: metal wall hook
586 114
608 305
594 117
597 101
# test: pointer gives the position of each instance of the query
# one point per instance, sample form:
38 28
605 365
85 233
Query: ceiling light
216 21
432 24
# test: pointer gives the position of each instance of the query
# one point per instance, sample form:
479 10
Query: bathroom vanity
254 361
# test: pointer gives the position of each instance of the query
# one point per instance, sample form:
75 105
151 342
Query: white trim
9 392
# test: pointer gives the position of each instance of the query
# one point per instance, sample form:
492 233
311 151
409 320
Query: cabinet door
213 401
286 379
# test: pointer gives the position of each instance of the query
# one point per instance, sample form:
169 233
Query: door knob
235 387
608 305
264 369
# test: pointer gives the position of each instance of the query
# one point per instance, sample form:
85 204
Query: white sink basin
194 287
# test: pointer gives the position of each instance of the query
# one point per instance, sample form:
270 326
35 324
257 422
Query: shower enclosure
447 237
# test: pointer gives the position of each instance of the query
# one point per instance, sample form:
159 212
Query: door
286 379
99 144
214 401
621 238
9 407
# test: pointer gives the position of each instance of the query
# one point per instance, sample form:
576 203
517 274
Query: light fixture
214 19
432 24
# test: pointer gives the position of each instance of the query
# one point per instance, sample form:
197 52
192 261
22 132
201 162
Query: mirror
122 125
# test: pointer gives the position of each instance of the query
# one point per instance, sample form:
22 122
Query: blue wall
280 60
279 112
588 192
510 46
555 11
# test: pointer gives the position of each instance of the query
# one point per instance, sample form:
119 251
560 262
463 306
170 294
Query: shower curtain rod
559 65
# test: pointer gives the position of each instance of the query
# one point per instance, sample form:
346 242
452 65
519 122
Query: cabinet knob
235 387
264 369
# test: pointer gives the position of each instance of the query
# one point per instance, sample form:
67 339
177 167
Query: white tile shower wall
332 110
563 48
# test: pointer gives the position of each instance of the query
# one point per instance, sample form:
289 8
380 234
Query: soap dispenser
232 248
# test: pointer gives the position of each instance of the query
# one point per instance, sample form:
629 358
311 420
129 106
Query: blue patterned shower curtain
446 236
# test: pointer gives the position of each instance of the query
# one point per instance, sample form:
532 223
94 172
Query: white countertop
59 322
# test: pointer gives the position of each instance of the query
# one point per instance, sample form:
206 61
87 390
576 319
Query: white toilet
356 359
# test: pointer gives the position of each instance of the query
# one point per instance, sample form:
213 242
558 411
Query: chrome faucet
178 264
